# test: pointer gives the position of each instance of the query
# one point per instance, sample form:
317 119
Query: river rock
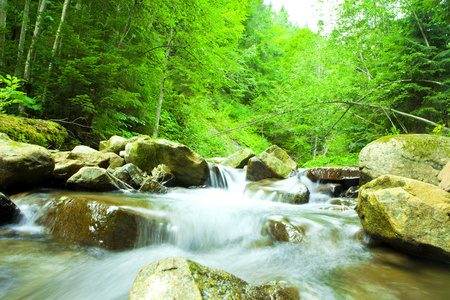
115 144
239 159
150 185
96 179
9 212
183 279
189 168
23 165
83 149
282 230
163 175
296 193
115 161
407 214
332 174
444 178
279 153
96 221
67 163
331 189
416 156
266 166
130 174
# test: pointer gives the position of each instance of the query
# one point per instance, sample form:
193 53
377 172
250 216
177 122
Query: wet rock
96 222
282 230
266 166
239 159
23 165
343 202
415 156
163 175
347 176
188 167
352 192
181 278
68 163
130 174
444 178
407 214
96 180
331 189
9 212
296 193
150 185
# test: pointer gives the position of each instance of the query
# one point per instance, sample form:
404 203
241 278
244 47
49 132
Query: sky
306 13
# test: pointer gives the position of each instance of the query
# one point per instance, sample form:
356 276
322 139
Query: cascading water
224 227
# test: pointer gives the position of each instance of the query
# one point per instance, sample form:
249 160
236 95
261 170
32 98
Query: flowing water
224 228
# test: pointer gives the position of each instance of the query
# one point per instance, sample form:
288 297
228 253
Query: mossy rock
415 156
407 214
39 132
181 278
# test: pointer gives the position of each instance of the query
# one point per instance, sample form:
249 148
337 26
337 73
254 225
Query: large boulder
23 165
189 168
416 156
9 212
96 179
410 215
279 153
183 279
239 159
93 220
266 166
67 163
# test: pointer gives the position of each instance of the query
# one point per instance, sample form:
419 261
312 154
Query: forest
224 74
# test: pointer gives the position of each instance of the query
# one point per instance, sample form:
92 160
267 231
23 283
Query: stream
220 227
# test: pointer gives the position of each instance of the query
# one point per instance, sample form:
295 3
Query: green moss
39 132
419 144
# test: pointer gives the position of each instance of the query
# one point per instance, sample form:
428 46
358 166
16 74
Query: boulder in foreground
183 279
407 214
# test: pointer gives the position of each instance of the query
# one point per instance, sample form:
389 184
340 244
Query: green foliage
9 94
333 161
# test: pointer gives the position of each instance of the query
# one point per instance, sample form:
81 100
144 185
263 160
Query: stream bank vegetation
217 75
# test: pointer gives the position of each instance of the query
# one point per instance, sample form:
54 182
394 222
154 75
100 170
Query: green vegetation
219 75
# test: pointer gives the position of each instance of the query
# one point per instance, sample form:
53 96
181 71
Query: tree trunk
3 4
23 33
161 89
128 24
36 34
56 45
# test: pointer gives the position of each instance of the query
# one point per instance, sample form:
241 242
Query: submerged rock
415 156
296 193
239 159
189 168
94 221
96 180
407 214
23 165
282 230
180 278
9 212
